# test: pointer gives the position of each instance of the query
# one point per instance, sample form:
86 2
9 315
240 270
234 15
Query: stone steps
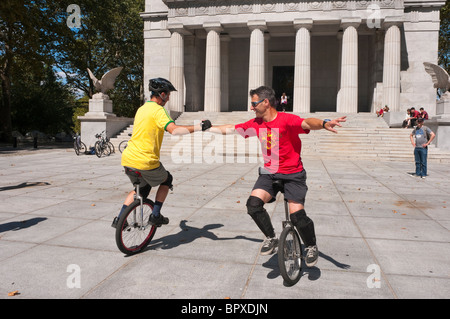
363 136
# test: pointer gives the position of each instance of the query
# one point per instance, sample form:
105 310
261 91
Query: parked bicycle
123 145
289 245
133 230
78 145
111 145
102 146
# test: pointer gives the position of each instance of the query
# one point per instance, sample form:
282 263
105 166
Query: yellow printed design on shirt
143 150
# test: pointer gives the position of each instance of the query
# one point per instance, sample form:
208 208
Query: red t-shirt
280 144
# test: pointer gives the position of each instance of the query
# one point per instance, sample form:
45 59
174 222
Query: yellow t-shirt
143 148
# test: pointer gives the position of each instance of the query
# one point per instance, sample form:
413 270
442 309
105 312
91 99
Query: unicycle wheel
133 233
290 256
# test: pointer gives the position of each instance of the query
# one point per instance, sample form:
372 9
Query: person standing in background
283 102
421 136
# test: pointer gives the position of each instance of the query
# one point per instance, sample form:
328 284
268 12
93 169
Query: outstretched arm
223 129
174 129
318 124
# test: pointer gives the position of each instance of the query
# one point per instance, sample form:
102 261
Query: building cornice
186 8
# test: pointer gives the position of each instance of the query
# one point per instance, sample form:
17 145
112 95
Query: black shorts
294 185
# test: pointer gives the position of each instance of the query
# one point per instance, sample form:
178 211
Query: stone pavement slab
374 224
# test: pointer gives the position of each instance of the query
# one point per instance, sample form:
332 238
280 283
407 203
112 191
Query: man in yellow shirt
143 149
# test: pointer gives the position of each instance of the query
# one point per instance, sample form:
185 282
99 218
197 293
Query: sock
157 208
121 211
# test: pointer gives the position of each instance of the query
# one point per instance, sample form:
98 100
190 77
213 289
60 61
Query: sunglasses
254 104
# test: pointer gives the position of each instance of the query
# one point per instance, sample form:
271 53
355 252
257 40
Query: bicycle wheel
111 146
123 145
290 256
76 148
98 149
82 148
133 233
106 149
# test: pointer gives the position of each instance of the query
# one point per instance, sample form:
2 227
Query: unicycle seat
134 173
278 186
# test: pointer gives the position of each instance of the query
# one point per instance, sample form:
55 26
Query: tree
35 33
110 35
20 34
40 102
444 38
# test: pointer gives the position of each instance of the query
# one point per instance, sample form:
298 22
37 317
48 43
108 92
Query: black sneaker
312 255
114 222
158 221
269 246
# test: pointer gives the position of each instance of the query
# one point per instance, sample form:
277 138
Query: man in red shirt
414 116
281 146
423 114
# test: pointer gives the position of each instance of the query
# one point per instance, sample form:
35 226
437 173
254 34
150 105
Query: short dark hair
265 92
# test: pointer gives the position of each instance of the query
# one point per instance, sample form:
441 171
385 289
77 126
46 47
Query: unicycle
133 230
289 246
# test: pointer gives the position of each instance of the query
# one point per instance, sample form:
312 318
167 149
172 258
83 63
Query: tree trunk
5 107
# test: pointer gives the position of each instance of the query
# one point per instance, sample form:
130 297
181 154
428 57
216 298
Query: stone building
343 56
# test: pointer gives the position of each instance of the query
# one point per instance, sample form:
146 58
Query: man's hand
336 122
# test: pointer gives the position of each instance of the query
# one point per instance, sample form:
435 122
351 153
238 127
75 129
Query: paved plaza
381 233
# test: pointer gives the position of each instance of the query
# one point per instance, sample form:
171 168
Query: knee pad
254 205
168 181
260 216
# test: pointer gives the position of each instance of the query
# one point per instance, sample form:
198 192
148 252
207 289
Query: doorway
283 82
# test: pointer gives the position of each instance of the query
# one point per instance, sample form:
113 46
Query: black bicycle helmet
159 85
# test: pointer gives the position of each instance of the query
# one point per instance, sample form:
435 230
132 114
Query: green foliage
444 37
40 102
35 40
111 35
82 106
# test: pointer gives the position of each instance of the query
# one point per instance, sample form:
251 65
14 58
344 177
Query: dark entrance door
283 82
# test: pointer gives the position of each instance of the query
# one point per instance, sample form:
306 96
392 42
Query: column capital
257 24
350 22
303 23
179 28
212 26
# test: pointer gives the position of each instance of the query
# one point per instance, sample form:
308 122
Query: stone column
225 42
347 99
256 61
176 69
212 69
302 71
391 67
